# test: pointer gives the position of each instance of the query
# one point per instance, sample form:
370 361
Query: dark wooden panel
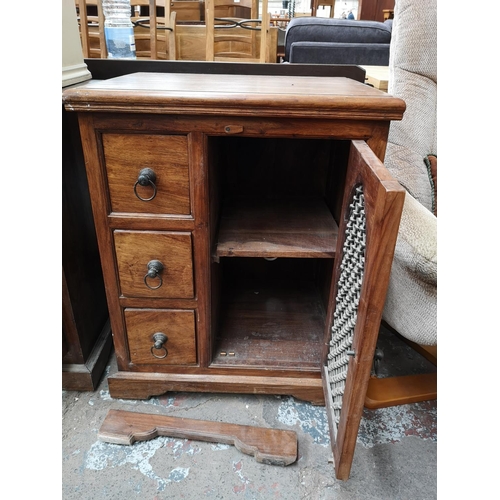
84 308
270 324
102 69
372 10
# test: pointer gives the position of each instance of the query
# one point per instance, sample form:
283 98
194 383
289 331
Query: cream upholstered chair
411 157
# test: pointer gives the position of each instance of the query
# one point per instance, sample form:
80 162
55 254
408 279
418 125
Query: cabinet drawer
146 326
166 191
156 264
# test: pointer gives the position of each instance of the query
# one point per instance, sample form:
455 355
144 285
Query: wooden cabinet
242 219
86 335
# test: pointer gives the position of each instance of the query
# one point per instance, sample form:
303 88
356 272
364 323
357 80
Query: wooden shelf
270 324
276 228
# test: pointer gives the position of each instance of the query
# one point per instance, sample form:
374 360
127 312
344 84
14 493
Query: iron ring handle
159 339
155 267
147 177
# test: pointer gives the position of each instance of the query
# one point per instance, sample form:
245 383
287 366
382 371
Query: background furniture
225 207
86 336
377 77
411 304
230 35
373 10
197 35
154 29
91 23
314 40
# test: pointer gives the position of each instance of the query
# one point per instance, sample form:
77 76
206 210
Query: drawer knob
147 177
159 341
155 267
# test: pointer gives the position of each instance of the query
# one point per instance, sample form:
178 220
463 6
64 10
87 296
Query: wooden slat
134 385
90 33
268 446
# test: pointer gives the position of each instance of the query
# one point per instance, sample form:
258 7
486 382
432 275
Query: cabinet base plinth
132 385
86 376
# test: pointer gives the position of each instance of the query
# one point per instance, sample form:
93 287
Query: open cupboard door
368 228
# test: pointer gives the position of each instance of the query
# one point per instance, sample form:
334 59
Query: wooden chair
230 37
154 37
91 22
154 33
188 10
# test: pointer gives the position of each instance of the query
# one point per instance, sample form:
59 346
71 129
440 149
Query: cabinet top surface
237 95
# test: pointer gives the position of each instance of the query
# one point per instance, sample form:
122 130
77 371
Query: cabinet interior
274 205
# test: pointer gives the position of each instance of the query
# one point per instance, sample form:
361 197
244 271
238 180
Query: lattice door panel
371 211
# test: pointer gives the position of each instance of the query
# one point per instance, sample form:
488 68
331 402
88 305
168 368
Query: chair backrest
91 22
188 10
413 78
154 32
235 38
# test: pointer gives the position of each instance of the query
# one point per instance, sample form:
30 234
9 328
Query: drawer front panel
145 327
166 192
154 264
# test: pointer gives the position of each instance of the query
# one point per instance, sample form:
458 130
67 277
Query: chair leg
393 391
404 389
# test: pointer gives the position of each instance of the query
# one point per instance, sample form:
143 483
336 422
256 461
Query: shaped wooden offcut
268 446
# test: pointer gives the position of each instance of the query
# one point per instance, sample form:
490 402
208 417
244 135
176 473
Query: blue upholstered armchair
316 40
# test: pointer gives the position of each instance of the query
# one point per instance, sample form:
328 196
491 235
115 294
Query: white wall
304 6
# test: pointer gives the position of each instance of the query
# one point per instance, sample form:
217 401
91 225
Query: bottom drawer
161 336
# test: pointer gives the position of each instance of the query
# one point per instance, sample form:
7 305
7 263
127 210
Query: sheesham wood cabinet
246 227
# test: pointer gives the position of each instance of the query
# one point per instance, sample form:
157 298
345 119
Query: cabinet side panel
94 163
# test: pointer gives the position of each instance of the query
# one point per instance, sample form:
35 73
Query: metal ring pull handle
159 339
155 267
147 177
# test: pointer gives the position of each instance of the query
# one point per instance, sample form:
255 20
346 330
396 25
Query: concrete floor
395 456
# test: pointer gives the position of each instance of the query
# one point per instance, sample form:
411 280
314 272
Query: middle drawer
156 264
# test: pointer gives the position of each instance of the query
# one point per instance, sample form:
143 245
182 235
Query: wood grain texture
238 95
276 228
177 325
268 446
135 249
405 389
270 324
135 385
167 155
384 198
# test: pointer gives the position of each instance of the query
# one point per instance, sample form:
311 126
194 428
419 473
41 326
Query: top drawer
165 188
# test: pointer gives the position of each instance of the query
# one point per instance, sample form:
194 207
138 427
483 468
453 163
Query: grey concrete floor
395 456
